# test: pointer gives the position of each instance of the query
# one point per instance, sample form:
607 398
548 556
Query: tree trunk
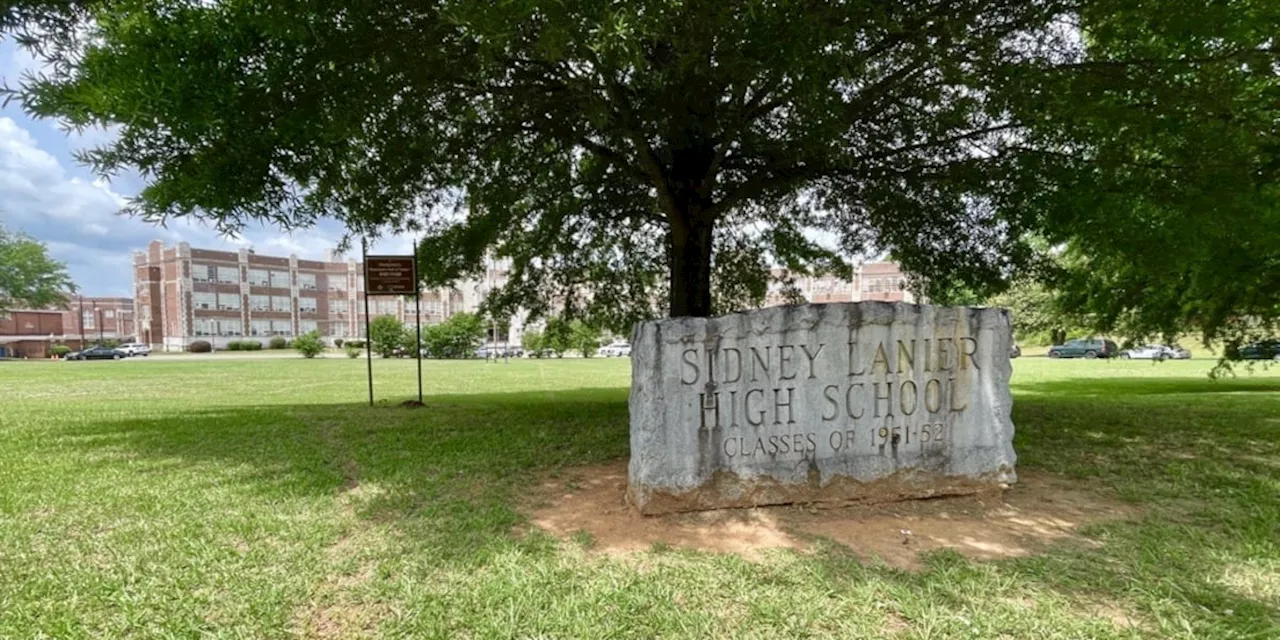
690 268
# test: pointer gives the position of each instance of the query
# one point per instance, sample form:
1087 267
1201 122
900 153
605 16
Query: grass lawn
263 499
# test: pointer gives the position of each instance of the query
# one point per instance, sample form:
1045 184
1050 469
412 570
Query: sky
45 193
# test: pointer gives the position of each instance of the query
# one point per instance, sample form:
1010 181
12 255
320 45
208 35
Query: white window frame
287 301
307 281
204 327
198 297
304 308
275 276
223 278
259 302
259 278
225 330
222 306
200 269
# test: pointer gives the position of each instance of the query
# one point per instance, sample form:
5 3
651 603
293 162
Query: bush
200 346
337 342
110 343
59 350
386 334
309 345
359 344
244 345
353 351
278 343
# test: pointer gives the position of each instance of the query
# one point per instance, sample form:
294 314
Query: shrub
59 350
200 346
353 351
244 345
110 343
309 344
337 342
278 343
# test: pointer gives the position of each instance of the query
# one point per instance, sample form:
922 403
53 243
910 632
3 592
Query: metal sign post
391 276
417 312
368 339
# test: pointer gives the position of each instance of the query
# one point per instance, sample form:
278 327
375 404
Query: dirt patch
1039 509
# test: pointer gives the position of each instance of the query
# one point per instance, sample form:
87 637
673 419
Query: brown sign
390 275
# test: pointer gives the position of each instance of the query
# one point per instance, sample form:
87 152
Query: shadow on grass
448 473
1203 466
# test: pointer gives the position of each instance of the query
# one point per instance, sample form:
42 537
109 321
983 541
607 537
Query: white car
135 349
1156 352
616 350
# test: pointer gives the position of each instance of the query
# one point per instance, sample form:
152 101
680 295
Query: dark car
97 353
1085 348
1264 350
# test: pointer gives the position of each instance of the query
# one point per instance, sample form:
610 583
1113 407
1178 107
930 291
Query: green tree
584 338
309 344
456 337
558 335
652 148
465 332
1039 316
28 276
532 342
386 335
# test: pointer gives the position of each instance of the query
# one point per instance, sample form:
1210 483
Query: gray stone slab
819 403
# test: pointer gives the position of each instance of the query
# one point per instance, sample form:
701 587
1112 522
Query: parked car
1015 351
1264 350
136 349
1150 352
1085 348
616 350
97 353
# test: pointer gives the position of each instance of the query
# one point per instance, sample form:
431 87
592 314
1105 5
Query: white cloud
80 220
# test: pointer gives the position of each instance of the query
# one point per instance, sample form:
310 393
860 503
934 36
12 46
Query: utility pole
97 317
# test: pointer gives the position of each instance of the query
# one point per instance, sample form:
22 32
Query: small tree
533 342
309 344
584 338
464 332
277 343
558 336
353 351
337 342
386 334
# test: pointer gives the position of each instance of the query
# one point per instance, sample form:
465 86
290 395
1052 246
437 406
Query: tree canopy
28 276
622 154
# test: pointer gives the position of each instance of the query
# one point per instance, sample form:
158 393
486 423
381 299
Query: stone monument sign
819 403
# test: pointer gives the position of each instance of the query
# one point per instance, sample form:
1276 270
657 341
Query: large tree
651 148
28 276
